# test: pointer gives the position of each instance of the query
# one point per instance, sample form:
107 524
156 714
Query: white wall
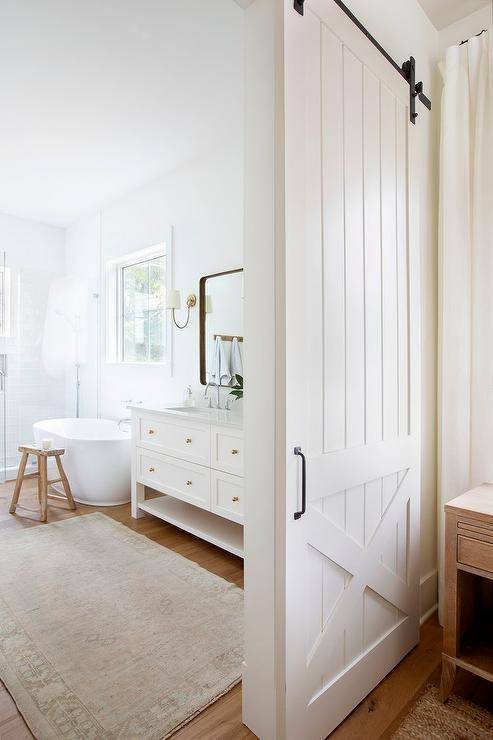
35 256
203 203
404 31
263 674
464 29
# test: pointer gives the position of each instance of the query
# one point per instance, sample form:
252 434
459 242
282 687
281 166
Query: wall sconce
173 302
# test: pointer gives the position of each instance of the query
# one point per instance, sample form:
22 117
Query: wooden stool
42 476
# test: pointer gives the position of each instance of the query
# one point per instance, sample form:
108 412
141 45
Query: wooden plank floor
376 717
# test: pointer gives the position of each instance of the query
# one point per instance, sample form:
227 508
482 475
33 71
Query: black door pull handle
299 514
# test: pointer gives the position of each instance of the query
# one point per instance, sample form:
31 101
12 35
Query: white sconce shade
173 299
208 304
173 303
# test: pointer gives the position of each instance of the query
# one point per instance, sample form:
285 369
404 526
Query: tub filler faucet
128 419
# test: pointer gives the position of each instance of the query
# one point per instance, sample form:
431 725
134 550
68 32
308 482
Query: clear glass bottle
188 398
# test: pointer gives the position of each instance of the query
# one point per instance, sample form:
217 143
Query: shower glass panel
31 389
4 328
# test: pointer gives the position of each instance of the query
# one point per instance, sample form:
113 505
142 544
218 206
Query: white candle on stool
46 444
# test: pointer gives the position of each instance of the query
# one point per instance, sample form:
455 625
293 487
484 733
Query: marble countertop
201 414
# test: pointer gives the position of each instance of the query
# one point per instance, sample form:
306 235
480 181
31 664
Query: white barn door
352 585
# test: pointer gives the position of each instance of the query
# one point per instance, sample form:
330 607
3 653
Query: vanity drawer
183 480
227 450
475 553
184 439
227 496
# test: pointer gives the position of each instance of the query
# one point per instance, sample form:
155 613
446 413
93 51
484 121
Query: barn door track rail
406 70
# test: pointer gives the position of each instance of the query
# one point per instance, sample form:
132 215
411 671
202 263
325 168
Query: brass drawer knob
188 440
151 431
235 452
151 470
235 499
189 482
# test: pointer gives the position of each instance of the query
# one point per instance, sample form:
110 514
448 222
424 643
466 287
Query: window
137 318
143 311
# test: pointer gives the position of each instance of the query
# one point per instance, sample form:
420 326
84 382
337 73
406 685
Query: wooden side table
468 598
42 476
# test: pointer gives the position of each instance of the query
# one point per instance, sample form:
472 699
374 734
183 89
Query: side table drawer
475 553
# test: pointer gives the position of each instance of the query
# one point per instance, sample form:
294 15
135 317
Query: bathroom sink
220 416
190 409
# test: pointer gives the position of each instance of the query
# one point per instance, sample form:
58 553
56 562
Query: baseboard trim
428 587
428 614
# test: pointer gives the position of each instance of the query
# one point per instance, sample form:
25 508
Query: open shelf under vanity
204 524
188 470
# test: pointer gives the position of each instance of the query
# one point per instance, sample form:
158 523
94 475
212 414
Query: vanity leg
138 495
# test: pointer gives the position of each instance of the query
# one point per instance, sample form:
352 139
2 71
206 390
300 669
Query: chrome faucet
218 388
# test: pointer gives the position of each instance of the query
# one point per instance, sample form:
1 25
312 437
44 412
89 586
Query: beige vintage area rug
105 634
457 719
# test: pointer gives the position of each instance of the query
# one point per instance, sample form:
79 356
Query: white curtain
466 273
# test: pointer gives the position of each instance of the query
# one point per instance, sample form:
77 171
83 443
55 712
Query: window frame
115 304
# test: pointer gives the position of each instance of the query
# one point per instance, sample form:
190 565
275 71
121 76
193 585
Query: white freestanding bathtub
97 458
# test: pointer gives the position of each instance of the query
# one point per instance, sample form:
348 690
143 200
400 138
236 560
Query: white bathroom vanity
193 457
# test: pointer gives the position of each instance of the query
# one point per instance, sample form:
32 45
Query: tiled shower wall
35 258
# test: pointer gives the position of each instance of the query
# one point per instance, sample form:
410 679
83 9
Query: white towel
236 361
221 374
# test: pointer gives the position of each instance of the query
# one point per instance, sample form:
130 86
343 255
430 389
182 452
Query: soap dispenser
188 399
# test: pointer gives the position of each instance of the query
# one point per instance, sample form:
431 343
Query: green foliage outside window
144 317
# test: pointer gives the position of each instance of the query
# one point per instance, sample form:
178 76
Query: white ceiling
98 97
444 12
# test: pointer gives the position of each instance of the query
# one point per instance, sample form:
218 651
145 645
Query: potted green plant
237 391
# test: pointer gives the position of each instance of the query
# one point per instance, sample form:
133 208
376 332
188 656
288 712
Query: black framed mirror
221 339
